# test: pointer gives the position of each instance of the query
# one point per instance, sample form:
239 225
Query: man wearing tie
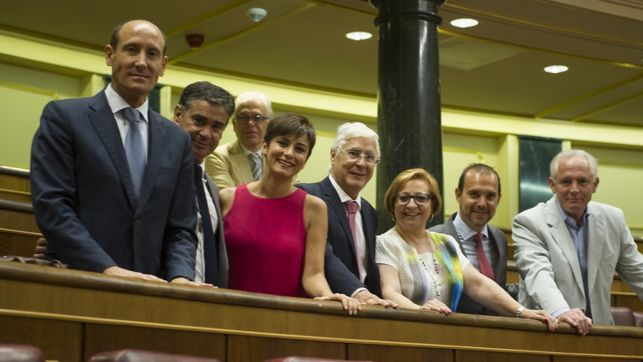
478 195
203 111
112 181
350 251
568 248
240 162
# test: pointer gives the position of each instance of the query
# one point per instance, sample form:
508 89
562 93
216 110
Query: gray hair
564 155
255 97
348 130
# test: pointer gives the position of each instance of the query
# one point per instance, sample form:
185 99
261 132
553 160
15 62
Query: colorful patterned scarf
447 256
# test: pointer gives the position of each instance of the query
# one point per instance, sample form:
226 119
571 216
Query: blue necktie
135 149
209 242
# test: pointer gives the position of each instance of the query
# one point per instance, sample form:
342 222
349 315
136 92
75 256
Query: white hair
348 130
564 155
254 97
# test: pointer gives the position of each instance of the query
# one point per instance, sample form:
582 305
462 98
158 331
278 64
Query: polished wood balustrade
71 315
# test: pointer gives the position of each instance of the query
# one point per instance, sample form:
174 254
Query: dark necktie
135 149
485 267
352 207
209 241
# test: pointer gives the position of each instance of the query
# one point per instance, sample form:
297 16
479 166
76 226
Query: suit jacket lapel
156 142
240 162
104 123
595 245
222 252
560 235
338 209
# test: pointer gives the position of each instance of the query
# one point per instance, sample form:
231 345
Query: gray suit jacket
549 267
222 252
228 165
498 246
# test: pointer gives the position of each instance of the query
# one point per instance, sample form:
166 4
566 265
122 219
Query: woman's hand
436 306
351 305
541 315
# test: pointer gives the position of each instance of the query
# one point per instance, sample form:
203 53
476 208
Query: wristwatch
519 311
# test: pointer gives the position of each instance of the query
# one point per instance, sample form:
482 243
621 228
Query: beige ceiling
495 67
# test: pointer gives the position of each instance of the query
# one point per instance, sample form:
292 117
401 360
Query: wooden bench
14 184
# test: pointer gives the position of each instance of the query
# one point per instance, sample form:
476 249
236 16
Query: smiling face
478 198
137 60
352 175
205 123
574 185
286 155
409 214
250 122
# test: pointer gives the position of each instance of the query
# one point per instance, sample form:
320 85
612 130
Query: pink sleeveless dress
266 241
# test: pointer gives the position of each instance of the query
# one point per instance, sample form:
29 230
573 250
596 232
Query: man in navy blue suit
112 181
350 252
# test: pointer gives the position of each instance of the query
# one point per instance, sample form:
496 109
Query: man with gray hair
240 162
568 248
350 252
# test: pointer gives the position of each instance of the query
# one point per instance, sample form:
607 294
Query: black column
409 122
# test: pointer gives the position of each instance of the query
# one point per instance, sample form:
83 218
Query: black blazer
340 263
83 195
222 253
498 246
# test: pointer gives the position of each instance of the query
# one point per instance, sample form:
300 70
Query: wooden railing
71 315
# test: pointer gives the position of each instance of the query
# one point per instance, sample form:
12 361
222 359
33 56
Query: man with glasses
478 195
350 252
240 162
568 248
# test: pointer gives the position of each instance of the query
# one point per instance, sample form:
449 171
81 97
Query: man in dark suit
478 195
112 181
350 252
203 112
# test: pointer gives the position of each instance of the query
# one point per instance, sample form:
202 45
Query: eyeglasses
419 198
245 118
355 154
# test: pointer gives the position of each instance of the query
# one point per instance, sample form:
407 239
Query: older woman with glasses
275 233
425 270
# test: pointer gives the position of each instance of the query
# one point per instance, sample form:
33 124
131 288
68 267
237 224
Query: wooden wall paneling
247 348
378 353
481 356
104 337
58 340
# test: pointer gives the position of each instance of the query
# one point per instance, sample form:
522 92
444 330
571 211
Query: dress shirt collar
465 232
343 196
570 222
117 103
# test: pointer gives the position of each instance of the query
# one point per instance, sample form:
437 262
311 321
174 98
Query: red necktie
352 207
485 267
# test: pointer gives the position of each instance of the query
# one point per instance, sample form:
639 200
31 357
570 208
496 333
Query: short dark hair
206 91
113 40
478 168
291 124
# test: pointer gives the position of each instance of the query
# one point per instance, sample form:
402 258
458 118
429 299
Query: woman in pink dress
276 233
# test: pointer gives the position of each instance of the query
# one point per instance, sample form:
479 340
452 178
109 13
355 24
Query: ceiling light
359 35
555 69
464 23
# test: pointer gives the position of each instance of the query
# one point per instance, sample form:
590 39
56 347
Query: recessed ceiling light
555 69
464 23
359 35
